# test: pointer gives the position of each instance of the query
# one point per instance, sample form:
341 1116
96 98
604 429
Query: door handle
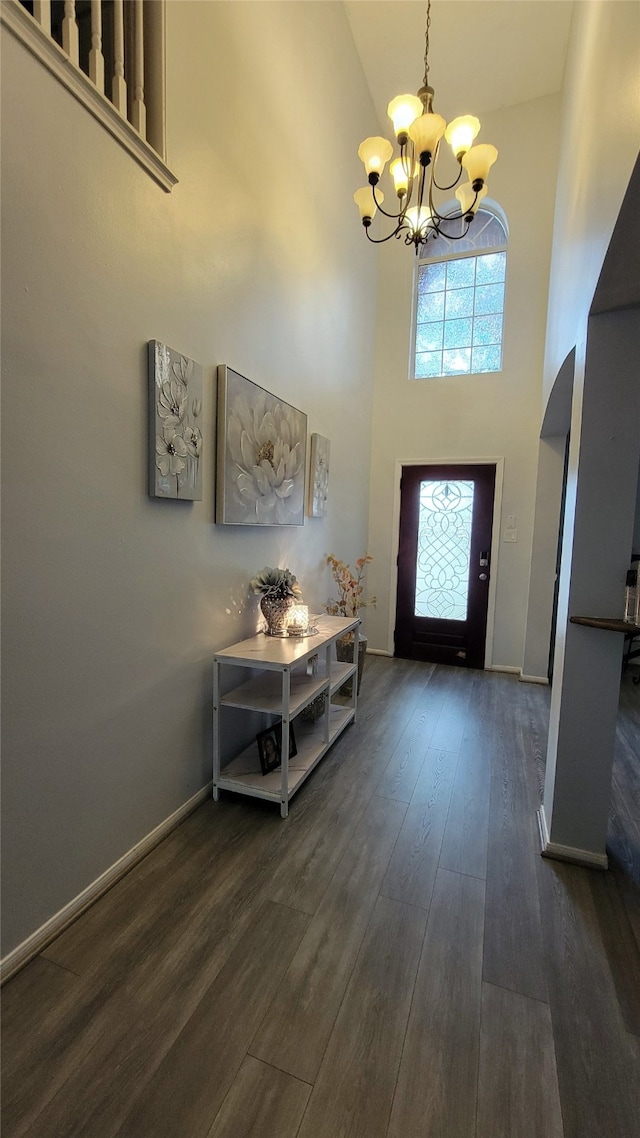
483 576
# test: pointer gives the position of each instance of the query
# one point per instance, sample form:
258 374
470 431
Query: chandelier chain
426 46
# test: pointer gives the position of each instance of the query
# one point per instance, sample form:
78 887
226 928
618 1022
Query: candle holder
298 620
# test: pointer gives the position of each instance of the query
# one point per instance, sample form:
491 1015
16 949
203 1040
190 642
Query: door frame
495 540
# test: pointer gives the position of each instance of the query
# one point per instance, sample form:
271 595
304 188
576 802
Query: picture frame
262 453
319 476
270 747
293 748
175 424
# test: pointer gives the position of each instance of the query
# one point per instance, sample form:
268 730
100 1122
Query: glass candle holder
298 620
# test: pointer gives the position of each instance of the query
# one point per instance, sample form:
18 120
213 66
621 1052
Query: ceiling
483 54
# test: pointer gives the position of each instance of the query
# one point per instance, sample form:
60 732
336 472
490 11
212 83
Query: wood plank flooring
393 960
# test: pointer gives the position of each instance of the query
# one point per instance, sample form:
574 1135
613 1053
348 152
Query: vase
275 611
344 652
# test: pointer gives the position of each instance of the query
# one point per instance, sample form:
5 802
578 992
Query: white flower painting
319 478
261 455
175 410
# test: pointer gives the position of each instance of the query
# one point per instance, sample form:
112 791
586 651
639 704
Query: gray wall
112 603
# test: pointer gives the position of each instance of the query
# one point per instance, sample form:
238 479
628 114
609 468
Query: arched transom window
459 302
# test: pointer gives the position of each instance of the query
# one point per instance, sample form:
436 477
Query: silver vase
275 611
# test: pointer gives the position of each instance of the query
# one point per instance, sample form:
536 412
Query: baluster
70 38
139 111
96 58
119 88
42 13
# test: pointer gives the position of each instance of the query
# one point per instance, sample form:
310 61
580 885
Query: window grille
458 317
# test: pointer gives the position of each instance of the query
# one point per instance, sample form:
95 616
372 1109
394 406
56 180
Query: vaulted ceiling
483 54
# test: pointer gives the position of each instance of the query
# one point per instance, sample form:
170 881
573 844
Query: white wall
544 553
486 416
601 491
600 137
600 132
114 603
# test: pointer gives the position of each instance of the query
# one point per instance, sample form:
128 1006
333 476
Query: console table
287 680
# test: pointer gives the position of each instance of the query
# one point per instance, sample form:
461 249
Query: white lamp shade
418 218
365 203
426 132
402 170
469 200
375 153
479 160
402 111
461 132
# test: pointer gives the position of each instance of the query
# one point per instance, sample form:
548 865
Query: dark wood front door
446 518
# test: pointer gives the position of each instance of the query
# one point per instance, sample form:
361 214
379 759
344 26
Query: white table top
283 651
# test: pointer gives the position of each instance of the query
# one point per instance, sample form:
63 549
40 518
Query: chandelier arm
456 216
381 240
434 160
392 216
438 232
408 165
445 188
448 216
421 181
452 237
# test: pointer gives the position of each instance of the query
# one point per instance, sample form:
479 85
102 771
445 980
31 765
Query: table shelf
243 774
281 687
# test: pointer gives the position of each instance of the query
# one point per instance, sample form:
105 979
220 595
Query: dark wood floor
395 960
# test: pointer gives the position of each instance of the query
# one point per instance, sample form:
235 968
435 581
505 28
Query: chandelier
419 133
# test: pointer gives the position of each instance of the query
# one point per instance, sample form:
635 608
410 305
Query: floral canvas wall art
319 477
175 414
261 455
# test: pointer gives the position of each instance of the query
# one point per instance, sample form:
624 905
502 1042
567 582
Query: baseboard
534 679
34 944
504 668
378 652
567 853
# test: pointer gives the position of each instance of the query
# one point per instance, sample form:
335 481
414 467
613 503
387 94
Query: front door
446 517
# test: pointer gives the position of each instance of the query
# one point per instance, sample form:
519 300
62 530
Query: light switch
510 535
512 521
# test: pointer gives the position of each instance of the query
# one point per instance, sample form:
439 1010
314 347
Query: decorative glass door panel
446 517
444 547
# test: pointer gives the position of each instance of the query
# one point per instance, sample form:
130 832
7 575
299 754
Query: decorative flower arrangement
276 583
350 587
278 590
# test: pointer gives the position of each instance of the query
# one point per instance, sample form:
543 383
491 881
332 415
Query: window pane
457 333
430 306
429 337
444 550
431 278
456 361
428 364
461 273
490 268
485 232
489 298
486 359
460 306
487 330
459 303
